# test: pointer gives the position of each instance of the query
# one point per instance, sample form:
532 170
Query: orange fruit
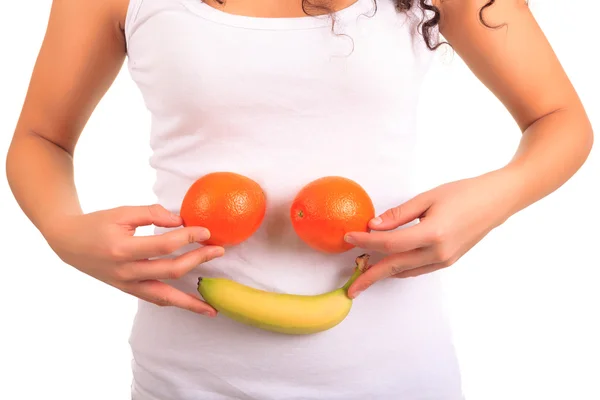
231 206
326 209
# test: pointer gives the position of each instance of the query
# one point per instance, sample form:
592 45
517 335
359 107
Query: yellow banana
280 312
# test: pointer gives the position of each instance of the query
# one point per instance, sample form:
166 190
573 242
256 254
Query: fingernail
175 217
376 221
208 313
217 252
202 234
356 293
349 239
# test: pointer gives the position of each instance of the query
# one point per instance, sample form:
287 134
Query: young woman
285 92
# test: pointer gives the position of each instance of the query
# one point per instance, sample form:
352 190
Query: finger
426 269
172 268
398 241
162 294
391 266
402 214
142 247
154 214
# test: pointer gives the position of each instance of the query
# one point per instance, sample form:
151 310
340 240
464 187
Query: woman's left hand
453 218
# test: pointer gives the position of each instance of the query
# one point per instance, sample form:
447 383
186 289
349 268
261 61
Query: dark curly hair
428 26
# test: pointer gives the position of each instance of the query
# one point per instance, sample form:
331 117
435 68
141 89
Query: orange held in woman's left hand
231 206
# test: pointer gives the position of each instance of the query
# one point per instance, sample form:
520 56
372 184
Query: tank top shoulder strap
139 11
131 17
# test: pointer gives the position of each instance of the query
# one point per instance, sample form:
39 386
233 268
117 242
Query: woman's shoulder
91 13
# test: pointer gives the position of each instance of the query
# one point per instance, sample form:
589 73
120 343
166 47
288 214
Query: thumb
154 214
402 214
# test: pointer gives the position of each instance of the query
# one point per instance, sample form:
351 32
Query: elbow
587 139
11 165
580 132
11 162
26 145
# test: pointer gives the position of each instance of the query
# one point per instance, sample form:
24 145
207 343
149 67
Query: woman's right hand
102 244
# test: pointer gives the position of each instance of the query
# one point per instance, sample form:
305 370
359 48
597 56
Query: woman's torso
285 101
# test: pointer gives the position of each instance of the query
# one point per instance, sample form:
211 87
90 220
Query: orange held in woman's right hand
326 209
231 206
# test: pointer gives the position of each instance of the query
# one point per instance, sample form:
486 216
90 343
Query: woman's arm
81 55
518 65
516 62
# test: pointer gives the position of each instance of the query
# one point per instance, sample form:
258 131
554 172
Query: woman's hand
102 244
453 218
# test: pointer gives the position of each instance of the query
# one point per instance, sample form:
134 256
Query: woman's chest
185 61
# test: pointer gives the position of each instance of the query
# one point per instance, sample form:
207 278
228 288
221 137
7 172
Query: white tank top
285 101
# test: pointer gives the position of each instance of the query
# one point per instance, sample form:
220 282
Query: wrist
512 184
506 186
54 229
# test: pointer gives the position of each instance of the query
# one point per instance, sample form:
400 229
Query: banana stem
355 275
361 266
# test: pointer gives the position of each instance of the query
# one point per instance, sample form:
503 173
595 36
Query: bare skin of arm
517 64
81 54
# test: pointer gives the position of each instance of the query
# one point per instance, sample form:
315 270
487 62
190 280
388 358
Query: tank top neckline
353 11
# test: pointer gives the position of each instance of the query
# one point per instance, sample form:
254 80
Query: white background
525 302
